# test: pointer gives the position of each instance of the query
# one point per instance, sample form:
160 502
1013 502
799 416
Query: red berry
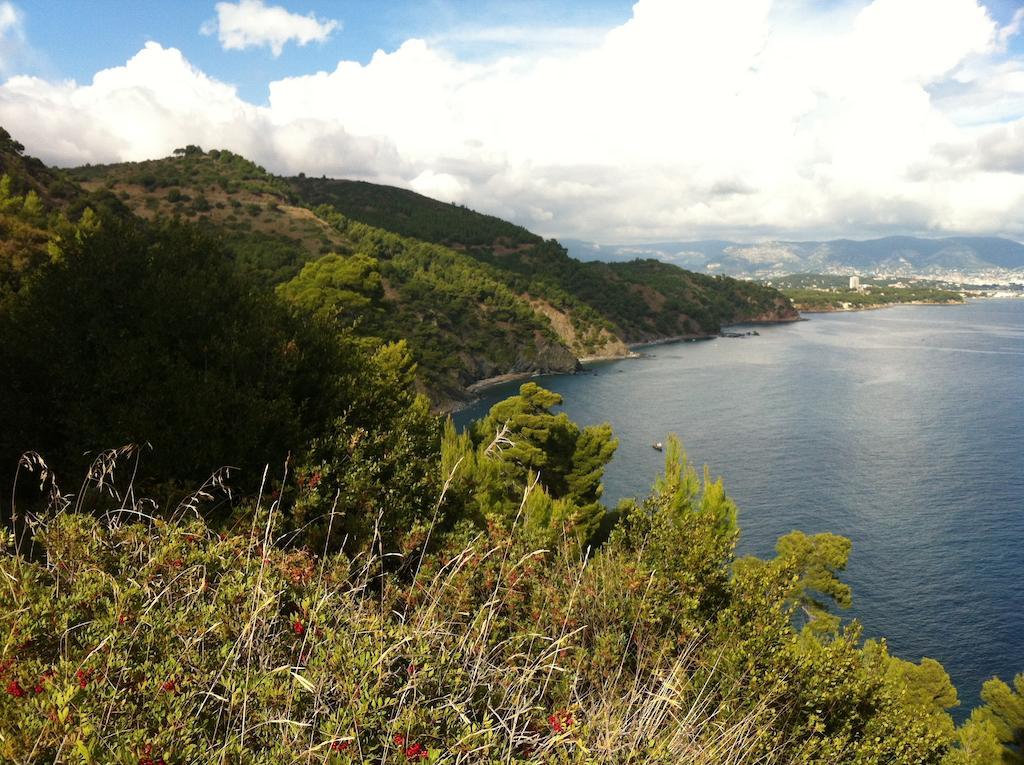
560 721
14 688
297 626
417 752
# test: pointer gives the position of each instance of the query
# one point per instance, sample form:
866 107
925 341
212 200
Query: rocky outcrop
546 356
550 356
782 311
596 342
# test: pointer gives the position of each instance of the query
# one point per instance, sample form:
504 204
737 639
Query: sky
610 121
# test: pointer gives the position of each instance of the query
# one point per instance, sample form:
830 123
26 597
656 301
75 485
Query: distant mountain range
903 255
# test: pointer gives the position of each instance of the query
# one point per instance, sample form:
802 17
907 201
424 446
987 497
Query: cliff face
781 311
585 339
545 357
550 356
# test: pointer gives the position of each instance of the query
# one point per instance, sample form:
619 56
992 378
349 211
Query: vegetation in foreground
139 634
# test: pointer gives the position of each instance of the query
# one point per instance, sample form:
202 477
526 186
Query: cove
902 429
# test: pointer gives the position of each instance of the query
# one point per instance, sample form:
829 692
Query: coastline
635 351
635 348
474 390
490 382
879 306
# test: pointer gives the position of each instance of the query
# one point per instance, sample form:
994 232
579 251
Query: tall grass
142 636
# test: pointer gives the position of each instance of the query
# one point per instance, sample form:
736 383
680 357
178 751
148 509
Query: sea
900 428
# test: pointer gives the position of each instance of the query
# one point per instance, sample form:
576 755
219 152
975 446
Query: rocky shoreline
634 351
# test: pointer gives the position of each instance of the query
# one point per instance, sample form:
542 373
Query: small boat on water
658 446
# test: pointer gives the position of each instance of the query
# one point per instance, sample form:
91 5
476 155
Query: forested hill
642 299
474 296
410 214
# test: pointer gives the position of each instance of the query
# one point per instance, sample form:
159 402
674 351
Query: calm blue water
902 429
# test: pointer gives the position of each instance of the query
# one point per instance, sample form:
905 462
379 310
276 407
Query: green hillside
411 214
475 296
637 301
460 319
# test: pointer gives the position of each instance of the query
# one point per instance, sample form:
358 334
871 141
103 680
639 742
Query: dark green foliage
648 299
522 443
460 321
263 258
149 336
644 299
411 214
137 334
473 295
640 301
373 474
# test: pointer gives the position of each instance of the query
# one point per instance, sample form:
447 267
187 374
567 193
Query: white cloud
12 35
158 101
739 118
441 186
252 24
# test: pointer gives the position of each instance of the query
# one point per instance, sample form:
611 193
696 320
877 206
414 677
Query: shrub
137 639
